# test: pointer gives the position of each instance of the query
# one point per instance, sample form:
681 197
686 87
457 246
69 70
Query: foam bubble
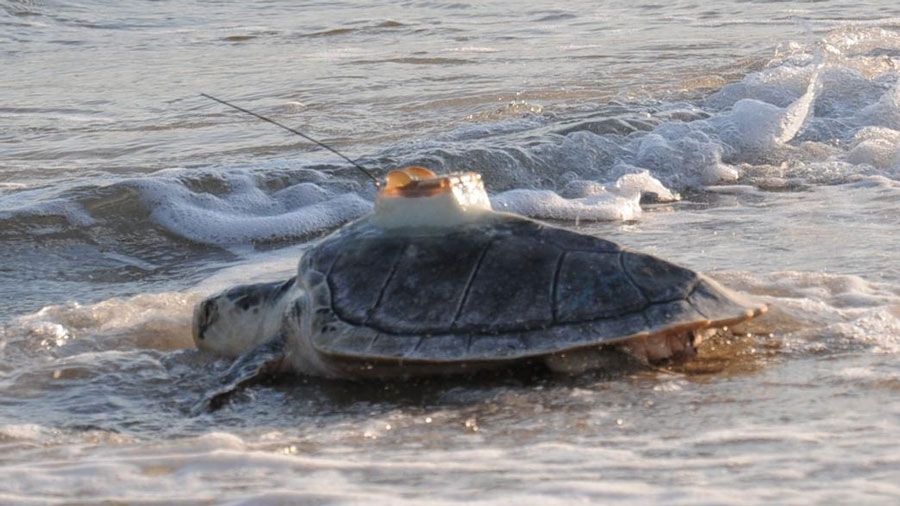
779 85
844 92
683 154
885 112
876 146
642 183
755 126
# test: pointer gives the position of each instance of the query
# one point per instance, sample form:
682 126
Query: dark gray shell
506 289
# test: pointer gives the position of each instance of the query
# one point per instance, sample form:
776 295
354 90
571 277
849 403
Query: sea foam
246 213
586 200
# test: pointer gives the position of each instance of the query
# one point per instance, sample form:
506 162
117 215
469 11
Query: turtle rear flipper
259 362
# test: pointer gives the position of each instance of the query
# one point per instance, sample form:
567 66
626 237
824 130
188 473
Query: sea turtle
434 282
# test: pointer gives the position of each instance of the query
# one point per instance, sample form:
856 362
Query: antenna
301 134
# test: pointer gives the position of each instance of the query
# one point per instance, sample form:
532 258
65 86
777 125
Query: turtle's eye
297 309
209 313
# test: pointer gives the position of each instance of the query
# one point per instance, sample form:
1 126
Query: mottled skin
397 302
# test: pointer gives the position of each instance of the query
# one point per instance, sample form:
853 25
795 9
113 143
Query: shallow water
758 142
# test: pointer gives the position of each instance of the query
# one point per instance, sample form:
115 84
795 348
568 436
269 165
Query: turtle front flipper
259 362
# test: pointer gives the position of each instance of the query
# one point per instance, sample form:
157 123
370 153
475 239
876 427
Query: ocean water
756 141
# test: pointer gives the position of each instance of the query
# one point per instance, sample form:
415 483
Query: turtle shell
504 289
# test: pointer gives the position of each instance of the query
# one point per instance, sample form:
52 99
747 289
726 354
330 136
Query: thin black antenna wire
301 134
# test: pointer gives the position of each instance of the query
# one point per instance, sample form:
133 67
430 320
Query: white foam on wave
546 204
158 321
812 311
826 111
10 187
754 126
885 112
683 154
754 121
22 432
247 213
37 203
876 146
587 200
779 84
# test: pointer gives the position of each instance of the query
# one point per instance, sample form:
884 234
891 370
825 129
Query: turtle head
239 319
205 326
214 328
416 196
